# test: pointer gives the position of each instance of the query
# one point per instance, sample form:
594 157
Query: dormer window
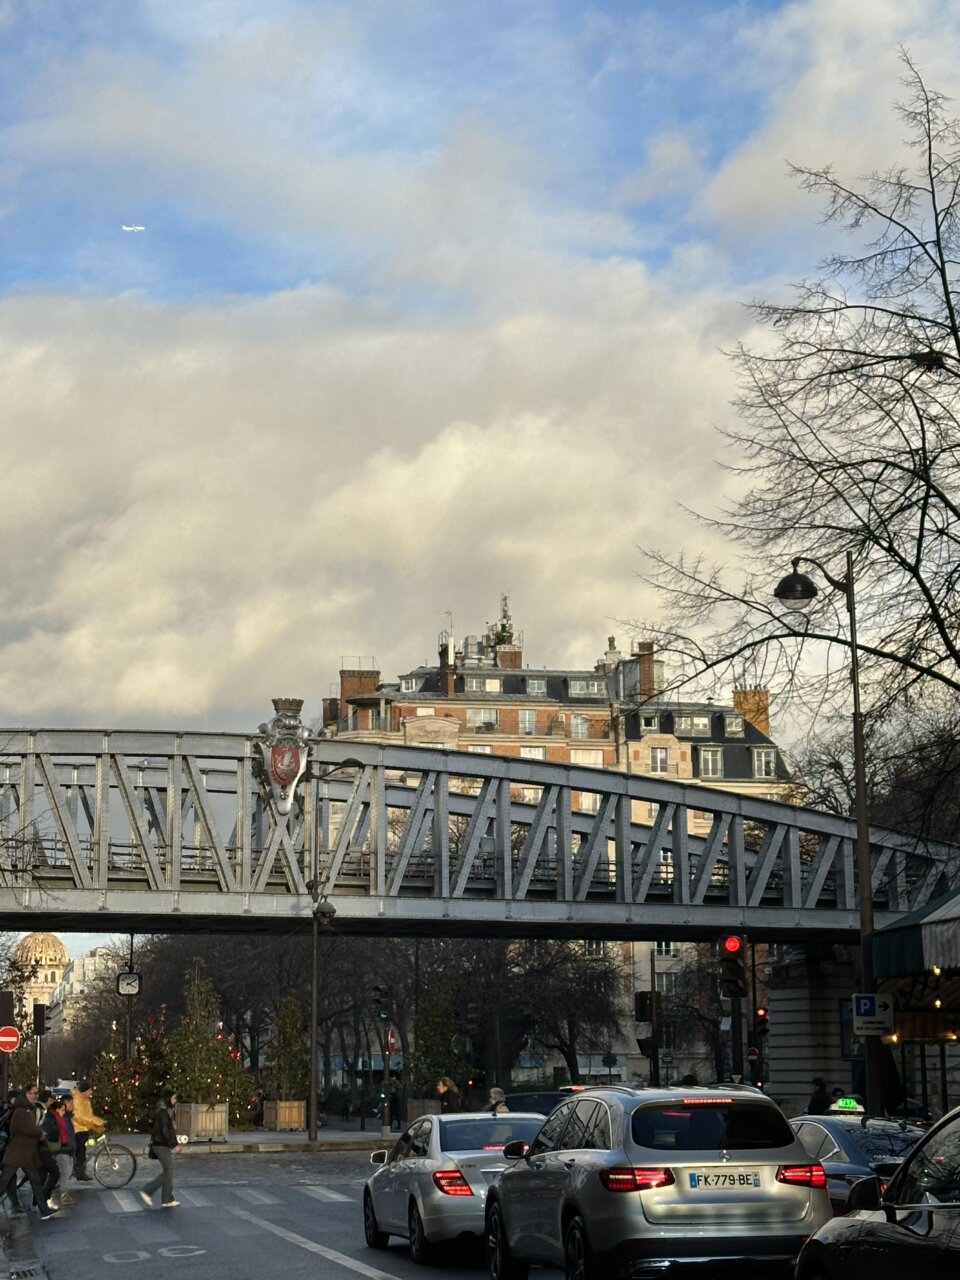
482 684
409 684
587 688
733 725
649 723
536 684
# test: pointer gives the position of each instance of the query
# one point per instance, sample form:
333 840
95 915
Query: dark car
910 1228
851 1147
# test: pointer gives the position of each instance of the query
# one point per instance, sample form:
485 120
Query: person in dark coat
449 1095
820 1100
23 1151
163 1141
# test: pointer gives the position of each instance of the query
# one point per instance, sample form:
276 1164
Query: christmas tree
204 1062
287 1074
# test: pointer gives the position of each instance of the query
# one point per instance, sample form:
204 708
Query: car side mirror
516 1150
865 1194
378 1157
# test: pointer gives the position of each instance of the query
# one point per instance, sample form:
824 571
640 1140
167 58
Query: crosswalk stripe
324 1193
195 1198
120 1202
256 1197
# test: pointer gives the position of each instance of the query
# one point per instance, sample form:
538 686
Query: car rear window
674 1126
890 1140
486 1135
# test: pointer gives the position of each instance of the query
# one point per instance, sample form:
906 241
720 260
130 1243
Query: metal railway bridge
158 832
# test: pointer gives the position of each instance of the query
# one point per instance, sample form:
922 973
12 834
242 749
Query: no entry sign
9 1039
393 1040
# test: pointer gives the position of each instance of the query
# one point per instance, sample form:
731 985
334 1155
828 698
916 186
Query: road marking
256 1197
303 1243
195 1198
324 1193
120 1202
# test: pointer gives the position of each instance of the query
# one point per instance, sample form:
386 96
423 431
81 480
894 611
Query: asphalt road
244 1216
285 1216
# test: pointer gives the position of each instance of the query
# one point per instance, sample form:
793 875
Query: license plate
724 1180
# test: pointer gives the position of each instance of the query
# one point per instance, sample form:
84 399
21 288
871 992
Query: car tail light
802 1175
452 1182
630 1179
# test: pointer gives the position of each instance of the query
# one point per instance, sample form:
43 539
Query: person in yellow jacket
85 1124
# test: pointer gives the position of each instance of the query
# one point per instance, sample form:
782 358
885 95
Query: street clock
128 984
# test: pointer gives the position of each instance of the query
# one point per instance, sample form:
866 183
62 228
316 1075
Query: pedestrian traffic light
641 1006
733 976
39 1019
762 1021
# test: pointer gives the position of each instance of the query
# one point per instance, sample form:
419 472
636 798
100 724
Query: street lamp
796 591
322 913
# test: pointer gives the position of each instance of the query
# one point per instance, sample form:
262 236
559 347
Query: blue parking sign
865 1006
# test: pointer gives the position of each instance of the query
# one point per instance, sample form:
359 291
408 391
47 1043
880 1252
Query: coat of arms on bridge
284 751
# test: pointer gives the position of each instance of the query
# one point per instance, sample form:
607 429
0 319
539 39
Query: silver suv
631 1183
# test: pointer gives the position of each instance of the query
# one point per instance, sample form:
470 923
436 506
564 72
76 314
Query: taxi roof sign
845 1104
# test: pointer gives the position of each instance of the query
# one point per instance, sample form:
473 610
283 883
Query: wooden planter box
203 1121
285 1115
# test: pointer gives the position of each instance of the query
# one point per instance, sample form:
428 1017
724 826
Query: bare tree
848 441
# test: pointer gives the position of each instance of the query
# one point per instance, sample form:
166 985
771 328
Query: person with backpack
163 1147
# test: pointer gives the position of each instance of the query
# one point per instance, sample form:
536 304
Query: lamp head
796 590
324 911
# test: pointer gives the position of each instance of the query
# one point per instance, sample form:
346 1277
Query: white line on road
324 1193
120 1202
256 1197
195 1198
303 1243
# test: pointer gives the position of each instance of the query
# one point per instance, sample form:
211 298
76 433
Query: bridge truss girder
160 832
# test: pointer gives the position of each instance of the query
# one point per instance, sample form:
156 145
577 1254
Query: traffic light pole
736 1036
654 1021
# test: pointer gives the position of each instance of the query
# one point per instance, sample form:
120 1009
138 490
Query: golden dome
41 949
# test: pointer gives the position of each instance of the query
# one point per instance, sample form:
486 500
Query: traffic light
381 1012
39 1019
762 1021
647 1005
645 1045
733 975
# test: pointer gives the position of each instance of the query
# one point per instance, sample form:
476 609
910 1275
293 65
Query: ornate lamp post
323 913
796 591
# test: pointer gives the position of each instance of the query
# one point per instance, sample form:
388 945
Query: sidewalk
337 1135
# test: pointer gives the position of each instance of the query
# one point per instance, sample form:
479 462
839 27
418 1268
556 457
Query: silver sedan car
432 1186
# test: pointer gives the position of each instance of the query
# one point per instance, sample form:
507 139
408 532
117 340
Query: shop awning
926 937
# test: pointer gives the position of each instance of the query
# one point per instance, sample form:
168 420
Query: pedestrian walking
163 1145
85 1125
820 1100
23 1151
497 1101
57 1125
50 1147
449 1095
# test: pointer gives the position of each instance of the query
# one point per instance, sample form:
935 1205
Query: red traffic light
762 1012
731 943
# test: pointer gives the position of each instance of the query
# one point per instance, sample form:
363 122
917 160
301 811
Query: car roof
853 1121
453 1116
674 1094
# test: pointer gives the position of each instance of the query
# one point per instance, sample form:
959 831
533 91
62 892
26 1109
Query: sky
431 303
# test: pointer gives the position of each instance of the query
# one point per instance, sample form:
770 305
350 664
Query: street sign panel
9 1039
753 1054
393 1040
872 1014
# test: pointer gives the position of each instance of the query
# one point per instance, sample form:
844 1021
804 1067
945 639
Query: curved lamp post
321 916
796 591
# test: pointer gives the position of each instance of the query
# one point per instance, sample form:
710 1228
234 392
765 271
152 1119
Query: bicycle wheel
114 1165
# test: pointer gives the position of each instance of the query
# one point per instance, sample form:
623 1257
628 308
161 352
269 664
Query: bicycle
113 1163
